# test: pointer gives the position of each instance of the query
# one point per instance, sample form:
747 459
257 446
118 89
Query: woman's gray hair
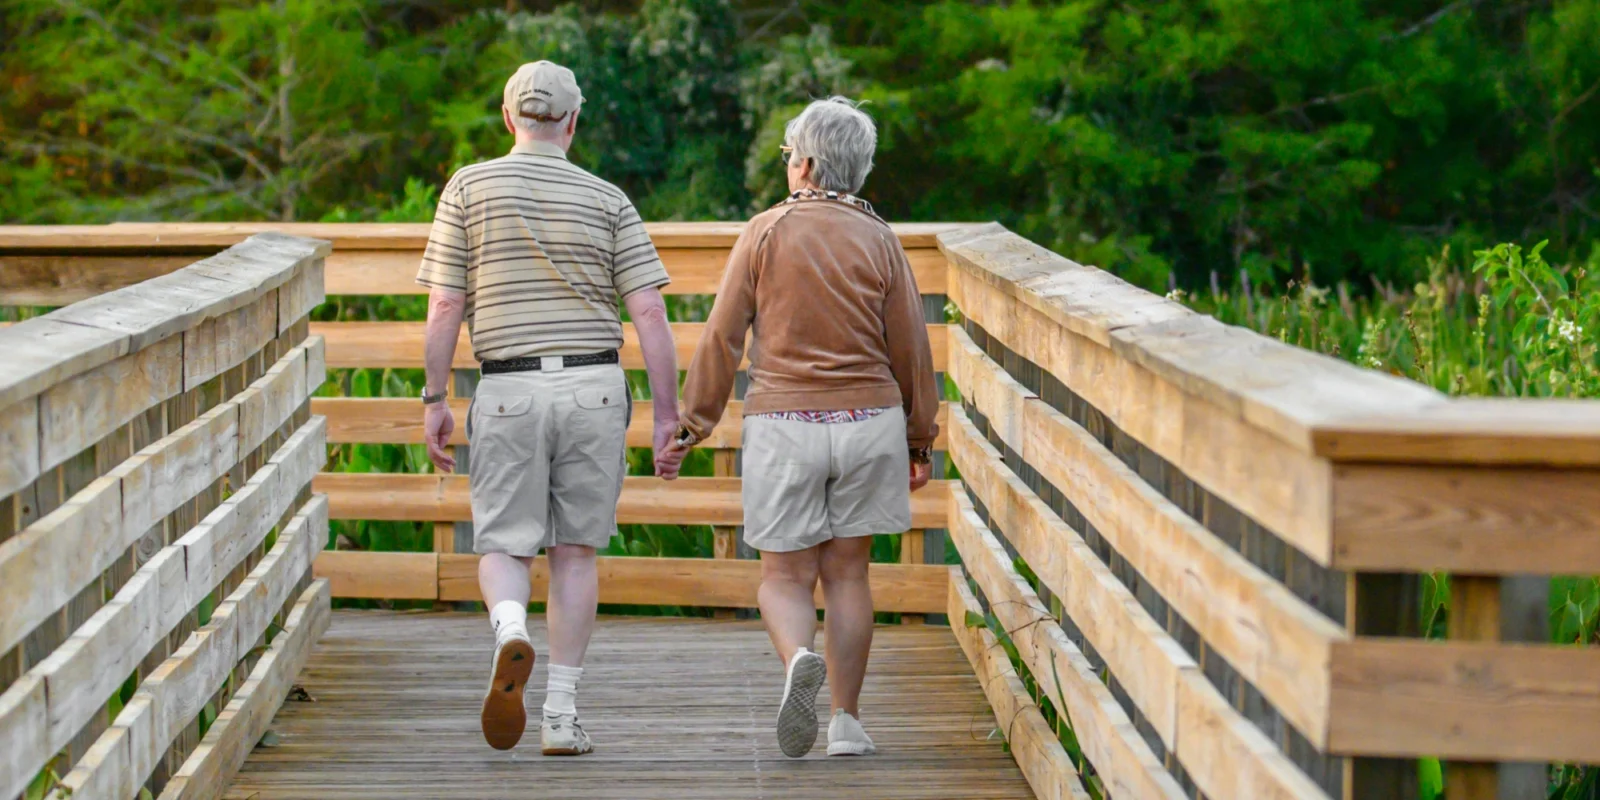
839 138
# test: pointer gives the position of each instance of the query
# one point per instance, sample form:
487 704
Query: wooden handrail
1229 522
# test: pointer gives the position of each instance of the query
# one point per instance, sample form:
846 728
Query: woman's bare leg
848 621
788 605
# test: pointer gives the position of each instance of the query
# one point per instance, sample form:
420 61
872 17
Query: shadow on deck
678 709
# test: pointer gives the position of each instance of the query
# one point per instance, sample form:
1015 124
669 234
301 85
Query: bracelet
433 399
921 455
685 437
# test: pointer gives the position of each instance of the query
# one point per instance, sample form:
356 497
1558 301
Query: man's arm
649 314
446 308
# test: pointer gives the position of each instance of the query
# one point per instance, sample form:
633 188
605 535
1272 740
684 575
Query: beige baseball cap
543 80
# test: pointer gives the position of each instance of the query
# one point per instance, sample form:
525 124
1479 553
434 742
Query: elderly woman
839 417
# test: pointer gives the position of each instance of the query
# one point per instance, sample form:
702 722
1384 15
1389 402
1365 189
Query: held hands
920 473
669 453
438 423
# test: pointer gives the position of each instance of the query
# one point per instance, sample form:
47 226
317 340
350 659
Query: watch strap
431 399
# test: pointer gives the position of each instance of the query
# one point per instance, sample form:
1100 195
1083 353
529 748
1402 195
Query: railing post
1386 604
911 544
724 538
1488 609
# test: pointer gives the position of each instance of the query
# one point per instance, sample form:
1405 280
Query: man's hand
438 423
920 473
669 454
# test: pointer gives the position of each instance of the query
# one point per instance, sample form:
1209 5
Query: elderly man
534 252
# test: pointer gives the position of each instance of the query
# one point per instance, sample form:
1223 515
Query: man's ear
505 116
572 123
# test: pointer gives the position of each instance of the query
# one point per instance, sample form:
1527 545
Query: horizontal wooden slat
242 723
1472 701
1045 763
39 353
49 562
908 588
380 345
693 271
1272 637
394 420
203 236
1472 430
388 576
1471 520
1278 485
685 501
121 759
80 674
1121 757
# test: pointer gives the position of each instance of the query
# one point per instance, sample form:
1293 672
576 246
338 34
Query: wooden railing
157 526
52 265
1226 536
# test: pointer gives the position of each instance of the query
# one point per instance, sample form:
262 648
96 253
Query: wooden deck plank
397 717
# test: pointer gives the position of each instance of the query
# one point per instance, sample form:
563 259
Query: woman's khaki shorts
808 482
547 460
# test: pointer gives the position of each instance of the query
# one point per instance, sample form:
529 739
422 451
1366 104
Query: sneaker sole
504 715
797 716
567 751
851 749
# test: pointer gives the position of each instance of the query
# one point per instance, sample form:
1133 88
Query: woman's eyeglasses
784 151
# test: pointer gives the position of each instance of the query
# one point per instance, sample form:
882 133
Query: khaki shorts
808 482
549 450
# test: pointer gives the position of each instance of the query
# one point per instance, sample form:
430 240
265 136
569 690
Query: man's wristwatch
431 399
921 455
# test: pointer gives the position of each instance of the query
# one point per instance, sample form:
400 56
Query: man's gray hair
537 108
839 138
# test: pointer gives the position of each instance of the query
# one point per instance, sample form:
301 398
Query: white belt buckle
552 364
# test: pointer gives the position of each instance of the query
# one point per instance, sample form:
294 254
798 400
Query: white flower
1569 330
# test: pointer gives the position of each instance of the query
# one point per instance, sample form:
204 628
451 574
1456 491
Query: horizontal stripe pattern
543 251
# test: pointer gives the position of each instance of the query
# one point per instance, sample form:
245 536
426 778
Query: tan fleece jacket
837 319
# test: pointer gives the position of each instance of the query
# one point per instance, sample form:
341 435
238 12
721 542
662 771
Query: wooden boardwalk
678 709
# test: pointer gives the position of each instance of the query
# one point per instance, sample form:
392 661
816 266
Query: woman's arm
716 359
910 356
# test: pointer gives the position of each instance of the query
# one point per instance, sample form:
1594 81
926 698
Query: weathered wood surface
1313 403
685 501
397 699
396 420
399 344
241 724
1232 757
1272 637
57 265
49 562
1045 763
203 236
76 375
728 583
1109 740
122 759
1473 701
80 674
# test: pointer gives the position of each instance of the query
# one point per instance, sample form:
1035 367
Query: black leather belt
533 364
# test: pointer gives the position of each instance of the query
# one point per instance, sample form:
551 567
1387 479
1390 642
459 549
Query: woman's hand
921 472
438 423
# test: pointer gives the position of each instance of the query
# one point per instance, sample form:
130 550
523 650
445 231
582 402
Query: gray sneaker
797 715
564 736
846 737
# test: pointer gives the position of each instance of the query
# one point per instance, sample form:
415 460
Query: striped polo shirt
543 251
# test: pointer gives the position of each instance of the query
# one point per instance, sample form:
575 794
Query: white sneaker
846 737
563 736
797 715
504 716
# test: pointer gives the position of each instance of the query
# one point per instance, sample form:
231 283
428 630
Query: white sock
508 617
561 693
